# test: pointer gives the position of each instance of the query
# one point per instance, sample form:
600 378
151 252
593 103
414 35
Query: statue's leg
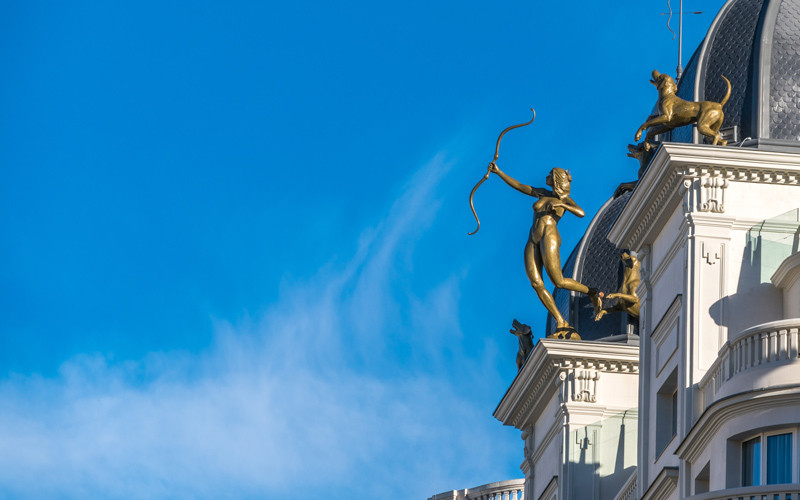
533 268
552 263
652 132
712 132
651 122
551 256
716 127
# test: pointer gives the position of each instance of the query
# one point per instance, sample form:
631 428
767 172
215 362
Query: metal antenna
679 69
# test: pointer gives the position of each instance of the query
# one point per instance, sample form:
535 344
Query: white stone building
699 398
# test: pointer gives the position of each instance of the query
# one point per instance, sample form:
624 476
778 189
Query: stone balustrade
513 489
770 492
770 343
628 491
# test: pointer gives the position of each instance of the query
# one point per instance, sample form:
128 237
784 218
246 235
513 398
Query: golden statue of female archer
542 251
544 241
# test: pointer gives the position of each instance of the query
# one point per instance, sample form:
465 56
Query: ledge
770 491
674 169
663 485
536 381
724 409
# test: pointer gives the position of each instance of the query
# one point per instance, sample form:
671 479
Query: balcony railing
628 491
513 489
771 492
774 342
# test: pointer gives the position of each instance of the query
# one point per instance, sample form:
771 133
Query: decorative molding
712 194
723 410
677 168
536 394
711 257
628 491
678 244
785 490
667 325
664 484
584 385
657 209
705 193
540 376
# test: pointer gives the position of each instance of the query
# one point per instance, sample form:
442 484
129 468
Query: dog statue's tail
728 94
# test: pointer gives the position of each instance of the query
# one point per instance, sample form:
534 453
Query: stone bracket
712 194
583 383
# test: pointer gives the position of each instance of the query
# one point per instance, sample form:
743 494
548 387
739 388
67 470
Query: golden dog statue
674 112
626 299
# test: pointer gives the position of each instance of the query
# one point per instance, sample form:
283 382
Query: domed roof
596 263
756 45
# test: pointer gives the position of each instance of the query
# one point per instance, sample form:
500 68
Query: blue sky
236 262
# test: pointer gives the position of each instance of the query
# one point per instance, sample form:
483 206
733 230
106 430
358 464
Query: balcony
769 345
771 492
513 489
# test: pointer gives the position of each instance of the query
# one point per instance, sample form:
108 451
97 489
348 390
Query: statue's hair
561 181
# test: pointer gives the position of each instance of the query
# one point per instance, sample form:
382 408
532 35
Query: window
779 458
667 412
751 462
775 464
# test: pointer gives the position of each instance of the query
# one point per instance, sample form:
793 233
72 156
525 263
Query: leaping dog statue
674 112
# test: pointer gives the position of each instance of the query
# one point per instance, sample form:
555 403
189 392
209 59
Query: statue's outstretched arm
522 188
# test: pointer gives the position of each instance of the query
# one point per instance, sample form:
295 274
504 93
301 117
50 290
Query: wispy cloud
337 392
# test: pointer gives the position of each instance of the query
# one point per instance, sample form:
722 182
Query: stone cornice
536 382
674 169
664 484
724 409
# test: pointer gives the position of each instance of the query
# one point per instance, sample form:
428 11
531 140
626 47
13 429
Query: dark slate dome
595 262
756 45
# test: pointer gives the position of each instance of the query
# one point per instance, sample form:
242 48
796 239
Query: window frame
762 437
667 412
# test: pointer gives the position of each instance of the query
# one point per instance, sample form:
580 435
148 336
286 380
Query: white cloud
344 389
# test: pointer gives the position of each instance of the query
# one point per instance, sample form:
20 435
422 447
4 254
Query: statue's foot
600 314
565 332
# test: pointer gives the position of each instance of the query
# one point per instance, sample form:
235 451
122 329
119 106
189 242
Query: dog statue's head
520 329
664 83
